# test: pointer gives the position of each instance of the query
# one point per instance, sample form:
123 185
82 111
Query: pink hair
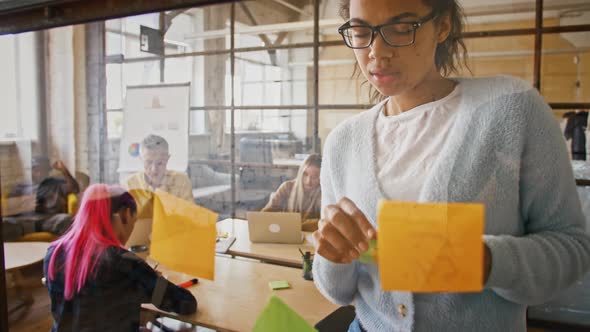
86 240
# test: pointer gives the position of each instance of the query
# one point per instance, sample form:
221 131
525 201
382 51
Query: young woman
439 139
302 194
94 283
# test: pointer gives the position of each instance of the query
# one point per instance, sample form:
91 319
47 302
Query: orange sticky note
430 247
183 236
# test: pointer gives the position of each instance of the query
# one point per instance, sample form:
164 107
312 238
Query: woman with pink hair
95 284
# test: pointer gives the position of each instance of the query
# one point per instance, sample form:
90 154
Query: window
18 87
130 66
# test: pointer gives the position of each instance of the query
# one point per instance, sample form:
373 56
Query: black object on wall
575 129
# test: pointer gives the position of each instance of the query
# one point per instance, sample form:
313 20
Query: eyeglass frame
377 29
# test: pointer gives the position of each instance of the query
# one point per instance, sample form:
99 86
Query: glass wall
243 109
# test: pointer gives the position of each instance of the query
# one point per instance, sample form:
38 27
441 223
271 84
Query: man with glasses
155 154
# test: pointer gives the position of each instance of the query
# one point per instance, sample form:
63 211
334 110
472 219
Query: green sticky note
280 284
369 256
277 316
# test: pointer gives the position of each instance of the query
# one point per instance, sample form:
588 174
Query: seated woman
301 195
94 283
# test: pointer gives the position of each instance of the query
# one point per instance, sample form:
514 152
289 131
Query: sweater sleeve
157 290
337 282
555 250
278 201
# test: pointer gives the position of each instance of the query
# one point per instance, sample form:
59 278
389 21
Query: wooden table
18 255
240 291
272 253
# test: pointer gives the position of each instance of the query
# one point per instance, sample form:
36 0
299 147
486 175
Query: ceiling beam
170 16
253 21
267 42
293 7
269 28
21 15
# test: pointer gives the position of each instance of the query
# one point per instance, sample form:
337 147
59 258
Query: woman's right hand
344 233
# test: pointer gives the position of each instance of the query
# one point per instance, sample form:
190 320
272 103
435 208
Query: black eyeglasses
397 34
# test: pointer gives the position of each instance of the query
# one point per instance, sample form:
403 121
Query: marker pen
189 283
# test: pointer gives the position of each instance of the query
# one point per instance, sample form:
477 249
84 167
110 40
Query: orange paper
183 236
430 247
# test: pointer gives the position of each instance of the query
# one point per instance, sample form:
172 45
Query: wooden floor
37 317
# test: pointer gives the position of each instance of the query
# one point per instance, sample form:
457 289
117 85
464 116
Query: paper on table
183 236
430 247
277 316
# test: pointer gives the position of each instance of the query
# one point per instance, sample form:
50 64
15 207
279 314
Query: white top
407 145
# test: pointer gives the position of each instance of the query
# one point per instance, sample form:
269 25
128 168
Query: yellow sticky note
430 247
183 236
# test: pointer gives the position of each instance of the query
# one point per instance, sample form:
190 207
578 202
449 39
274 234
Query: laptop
275 227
